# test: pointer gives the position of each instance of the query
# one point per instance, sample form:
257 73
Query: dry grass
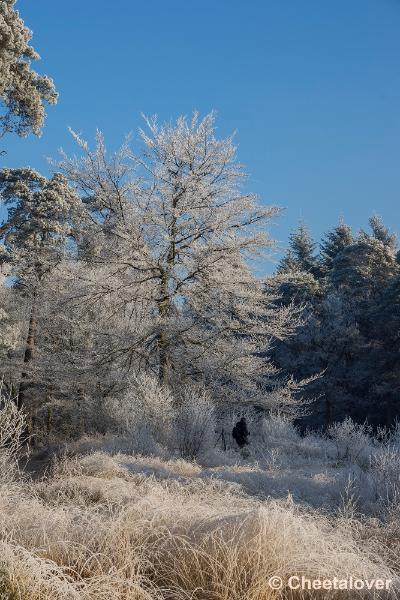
115 528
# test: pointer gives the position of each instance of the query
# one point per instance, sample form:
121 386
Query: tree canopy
23 92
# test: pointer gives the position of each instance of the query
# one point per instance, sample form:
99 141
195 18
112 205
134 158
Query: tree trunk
164 304
163 341
29 353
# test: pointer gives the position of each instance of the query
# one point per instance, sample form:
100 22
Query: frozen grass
108 525
124 527
319 471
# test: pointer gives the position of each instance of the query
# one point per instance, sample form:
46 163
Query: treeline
350 290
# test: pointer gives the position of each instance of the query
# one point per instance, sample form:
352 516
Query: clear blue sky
312 88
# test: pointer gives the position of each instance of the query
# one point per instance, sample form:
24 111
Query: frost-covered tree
22 91
333 243
382 233
295 287
40 216
363 268
200 228
174 232
384 327
12 313
288 264
301 253
351 328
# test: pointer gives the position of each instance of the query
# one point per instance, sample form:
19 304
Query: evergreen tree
333 243
34 237
300 255
40 217
351 329
298 287
382 233
385 350
22 91
363 268
303 248
288 263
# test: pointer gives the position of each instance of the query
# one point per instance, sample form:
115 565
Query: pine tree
303 248
22 91
382 233
288 263
300 255
351 331
364 268
333 243
34 240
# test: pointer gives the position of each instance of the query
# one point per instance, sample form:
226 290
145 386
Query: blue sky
312 88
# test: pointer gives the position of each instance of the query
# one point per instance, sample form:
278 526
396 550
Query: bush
278 431
385 472
353 442
194 423
12 427
145 414
155 422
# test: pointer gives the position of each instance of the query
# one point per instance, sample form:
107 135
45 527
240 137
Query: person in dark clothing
240 433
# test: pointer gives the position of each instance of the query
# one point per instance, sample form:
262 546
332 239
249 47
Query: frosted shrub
394 439
273 459
12 426
279 436
278 430
145 414
349 500
352 441
314 446
385 473
194 423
